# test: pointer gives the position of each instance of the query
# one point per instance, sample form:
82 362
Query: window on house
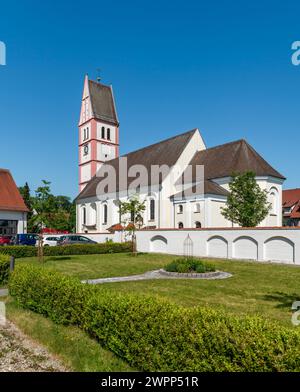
180 209
108 134
103 133
198 225
87 133
152 209
180 225
197 208
104 214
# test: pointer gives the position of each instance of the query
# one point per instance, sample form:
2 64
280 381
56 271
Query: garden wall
279 244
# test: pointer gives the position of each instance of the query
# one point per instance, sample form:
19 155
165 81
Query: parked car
24 239
5 240
49 240
74 239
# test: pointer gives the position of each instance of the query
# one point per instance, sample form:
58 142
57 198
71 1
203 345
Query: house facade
291 207
13 211
183 183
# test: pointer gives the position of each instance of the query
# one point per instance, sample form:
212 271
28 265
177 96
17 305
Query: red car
4 240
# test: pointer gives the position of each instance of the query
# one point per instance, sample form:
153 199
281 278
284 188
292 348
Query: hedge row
31 251
4 269
155 335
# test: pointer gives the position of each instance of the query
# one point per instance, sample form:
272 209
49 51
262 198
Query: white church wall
85 172
261 244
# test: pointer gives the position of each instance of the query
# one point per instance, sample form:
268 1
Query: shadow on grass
284 300
58 258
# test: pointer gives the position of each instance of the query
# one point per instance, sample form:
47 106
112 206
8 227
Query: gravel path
19 354
3 292
160 274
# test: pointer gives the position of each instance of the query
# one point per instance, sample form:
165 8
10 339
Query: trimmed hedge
155 335
189 264
4 269
31 251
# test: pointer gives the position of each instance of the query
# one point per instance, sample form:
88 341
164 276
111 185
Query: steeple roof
102 101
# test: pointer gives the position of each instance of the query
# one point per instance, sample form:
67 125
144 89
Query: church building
168 203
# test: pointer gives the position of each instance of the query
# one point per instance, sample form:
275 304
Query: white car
49 240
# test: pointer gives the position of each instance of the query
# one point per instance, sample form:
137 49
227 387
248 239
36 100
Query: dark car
5 240
24 239
74 239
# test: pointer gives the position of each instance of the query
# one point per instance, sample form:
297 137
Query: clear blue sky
221 66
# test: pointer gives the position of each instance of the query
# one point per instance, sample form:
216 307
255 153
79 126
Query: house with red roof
13 211
291 207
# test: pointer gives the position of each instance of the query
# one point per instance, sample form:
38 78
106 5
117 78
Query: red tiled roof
290 197
10 197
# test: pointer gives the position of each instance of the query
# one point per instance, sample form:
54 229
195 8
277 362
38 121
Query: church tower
98 129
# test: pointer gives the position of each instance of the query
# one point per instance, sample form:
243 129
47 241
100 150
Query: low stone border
161 274
196 275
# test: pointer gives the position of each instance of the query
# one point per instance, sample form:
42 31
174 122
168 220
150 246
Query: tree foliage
48 210
131 211
247 204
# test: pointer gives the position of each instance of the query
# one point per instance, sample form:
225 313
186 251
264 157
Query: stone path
19 354
160 274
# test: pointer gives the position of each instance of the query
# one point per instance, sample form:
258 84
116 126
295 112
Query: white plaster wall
262 244
85 172
105 152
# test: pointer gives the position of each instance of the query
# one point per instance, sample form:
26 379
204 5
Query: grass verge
72 346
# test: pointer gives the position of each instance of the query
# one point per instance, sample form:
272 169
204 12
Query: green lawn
255 288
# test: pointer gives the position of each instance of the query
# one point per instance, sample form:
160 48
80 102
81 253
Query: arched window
105 214
108 134
152 209
198 225
103 133
87 133
197 207
180 225
180 209
273 199
84 215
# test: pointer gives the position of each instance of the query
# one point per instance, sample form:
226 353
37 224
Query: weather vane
98 75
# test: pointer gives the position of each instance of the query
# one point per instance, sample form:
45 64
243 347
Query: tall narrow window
152 209
103 133
105 214
87 133
83 215
180 209
108 134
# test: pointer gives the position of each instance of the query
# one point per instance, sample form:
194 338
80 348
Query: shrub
4 269
31 251
155 335
186 264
